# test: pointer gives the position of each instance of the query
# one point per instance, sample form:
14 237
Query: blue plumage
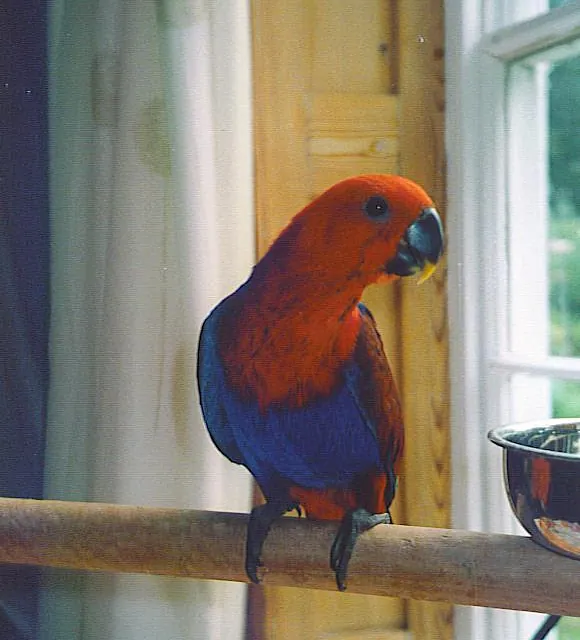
293 378
324 444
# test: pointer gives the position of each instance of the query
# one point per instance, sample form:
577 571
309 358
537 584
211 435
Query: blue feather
324 444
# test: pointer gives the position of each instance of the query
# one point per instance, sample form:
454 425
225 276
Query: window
513 139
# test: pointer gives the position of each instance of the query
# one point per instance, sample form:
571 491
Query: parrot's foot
353 524
261 520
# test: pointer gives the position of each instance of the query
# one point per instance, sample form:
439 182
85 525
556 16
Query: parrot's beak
420 247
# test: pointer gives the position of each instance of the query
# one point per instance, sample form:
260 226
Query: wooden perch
462 567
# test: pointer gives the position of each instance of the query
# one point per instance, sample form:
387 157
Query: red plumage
296 323
307 400
378 394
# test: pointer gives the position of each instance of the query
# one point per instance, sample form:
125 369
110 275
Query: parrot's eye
376 207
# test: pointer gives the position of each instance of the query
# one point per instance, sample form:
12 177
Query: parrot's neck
286 340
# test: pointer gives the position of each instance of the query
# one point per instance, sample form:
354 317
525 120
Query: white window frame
482 38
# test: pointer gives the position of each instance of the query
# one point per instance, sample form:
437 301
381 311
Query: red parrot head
364 229
296 321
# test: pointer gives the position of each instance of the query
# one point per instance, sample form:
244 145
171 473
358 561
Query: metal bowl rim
498 436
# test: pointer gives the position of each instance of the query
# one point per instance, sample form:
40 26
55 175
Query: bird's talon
261 519
252 570
353 524
253 577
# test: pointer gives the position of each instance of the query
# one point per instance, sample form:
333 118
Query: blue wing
211 386
324 444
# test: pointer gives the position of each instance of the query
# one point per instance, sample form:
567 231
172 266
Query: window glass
564 207
533 397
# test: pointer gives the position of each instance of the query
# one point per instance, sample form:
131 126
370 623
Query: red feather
381 401
296 323
294 380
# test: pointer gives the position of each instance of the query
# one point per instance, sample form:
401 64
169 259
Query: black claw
261 520
353 524
252 567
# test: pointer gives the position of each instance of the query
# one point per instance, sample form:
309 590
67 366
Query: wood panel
424 318
326 74
281 46
350 134
304 613
376 114
350 40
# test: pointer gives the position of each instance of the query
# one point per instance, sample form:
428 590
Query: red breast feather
295 322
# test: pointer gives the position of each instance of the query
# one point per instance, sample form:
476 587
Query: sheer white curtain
152 223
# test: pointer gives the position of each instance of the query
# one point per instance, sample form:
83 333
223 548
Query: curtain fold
151 198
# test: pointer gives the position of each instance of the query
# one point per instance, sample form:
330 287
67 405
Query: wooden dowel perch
462 567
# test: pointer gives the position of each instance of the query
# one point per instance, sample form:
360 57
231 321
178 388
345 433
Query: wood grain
425 382
346 112
281 59
357 87
425 563
322 113
351 46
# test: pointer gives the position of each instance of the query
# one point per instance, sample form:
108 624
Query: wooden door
343 87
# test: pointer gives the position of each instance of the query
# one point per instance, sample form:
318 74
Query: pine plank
371 113
352 134
328 170
322 115
281 59
424 319
380 146
350 46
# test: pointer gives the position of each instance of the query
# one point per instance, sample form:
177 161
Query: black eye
376 207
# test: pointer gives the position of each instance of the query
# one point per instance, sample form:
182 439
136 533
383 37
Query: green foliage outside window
564 175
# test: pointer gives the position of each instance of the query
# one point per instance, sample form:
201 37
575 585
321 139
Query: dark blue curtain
24 283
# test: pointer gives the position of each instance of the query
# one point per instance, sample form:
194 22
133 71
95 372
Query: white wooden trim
501 13
463 28
552 366
549 29
476 142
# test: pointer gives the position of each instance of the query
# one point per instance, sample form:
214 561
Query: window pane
528 398
564 227
565 398
536 398
527 297
569 629
542 297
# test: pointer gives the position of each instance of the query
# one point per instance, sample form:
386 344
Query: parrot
293 379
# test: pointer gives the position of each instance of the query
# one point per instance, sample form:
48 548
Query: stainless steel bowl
542 479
